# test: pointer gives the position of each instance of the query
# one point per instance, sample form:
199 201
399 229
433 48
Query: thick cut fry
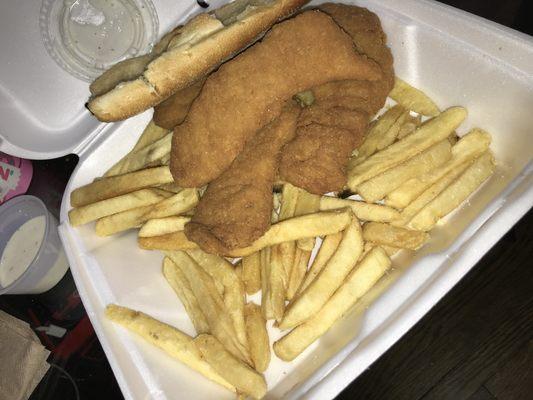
413 99
311 225
409 126
377 187
222 271
103 208
362 278
251 273
277 284
172 341
470 146
181 202
141 158
121 184
382 133
173 205
327 249
313 298
257 337
179 283
429 194
394 236
306 203
171 187
151 134
211 303
430 133
289 199
266 303
454 194
363 211
299 268
162 226
169 241
240 375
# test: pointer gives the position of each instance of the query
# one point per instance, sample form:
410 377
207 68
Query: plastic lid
86 37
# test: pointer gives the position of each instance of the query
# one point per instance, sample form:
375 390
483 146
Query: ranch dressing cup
32 259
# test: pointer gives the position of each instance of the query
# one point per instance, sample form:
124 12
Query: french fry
181 202
266 300
169 241
240 375
299 268
311 225
413 99
362 278
451 197
251 273
151 134
470 146
165 160
377 187
211 303
162 226
313 298
327 249
430 133
429 194
289 199
238 269
382 133
362 210
276 285
257 337
172 341
179 283
388 235
141 158
121 184
222 271
173 205
171 187
306 203
409 126
103 208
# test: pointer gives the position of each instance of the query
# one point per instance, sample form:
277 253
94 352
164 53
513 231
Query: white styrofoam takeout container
457 58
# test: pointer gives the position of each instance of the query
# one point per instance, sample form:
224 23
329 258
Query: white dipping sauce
21 249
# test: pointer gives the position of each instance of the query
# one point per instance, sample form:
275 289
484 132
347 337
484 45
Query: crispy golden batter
249 91
335 124
172 112
236 207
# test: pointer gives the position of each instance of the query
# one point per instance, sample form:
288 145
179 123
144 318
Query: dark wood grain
482 394
514 380
467 336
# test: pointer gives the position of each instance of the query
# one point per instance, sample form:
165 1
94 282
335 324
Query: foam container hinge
458 59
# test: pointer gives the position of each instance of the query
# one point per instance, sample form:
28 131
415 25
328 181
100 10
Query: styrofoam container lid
43 83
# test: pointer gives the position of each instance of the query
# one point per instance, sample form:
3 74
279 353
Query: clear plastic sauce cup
32 259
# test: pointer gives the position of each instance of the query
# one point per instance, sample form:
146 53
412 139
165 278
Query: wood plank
514 380
482 394
488 314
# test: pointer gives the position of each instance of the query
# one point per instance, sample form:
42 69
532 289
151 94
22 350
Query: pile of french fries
319 257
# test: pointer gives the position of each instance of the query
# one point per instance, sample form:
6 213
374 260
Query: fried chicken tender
236 208
335 124
249 91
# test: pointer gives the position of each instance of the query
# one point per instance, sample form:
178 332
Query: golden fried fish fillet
335 124
236 207
249 91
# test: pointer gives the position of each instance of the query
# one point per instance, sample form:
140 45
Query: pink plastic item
15 176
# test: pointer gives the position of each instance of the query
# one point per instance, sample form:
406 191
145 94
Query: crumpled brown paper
22 359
